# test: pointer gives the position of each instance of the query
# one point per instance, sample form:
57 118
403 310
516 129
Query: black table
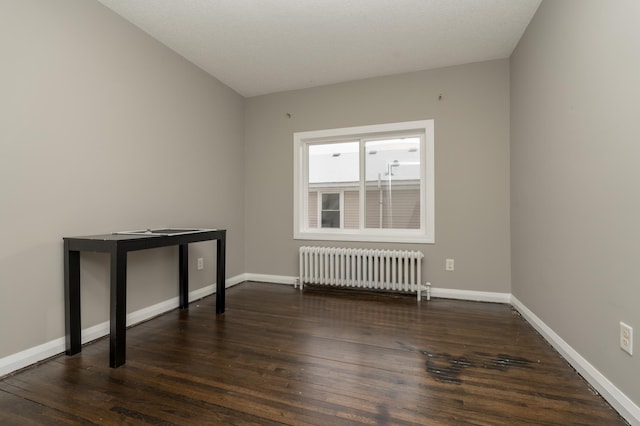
118 245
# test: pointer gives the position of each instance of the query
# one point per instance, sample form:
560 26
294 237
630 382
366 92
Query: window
368 183
331 213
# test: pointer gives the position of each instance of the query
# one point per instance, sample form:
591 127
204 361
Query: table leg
118 317
184 276
221 274
73 342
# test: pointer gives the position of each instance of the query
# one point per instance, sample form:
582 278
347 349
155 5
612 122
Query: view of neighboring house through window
393 183
331 211
333 174
370 183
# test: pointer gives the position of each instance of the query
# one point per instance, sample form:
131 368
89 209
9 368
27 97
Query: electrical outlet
626 338
200 263
448 265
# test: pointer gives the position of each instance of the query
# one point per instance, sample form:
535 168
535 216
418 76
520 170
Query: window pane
331 219
330 201
333 167
331 210
392 169
335 163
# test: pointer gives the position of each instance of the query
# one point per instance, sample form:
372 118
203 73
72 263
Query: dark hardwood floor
322 357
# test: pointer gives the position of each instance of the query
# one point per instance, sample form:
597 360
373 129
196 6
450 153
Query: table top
145 233
138 240
163 231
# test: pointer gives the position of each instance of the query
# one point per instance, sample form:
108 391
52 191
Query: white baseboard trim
274 279
19 360
31 356
445 293
622 404
230 282
476 296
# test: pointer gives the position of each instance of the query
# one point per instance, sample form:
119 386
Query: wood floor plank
320 357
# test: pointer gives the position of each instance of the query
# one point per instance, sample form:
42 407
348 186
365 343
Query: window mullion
424 155
341 209
319 210
362 200
304 194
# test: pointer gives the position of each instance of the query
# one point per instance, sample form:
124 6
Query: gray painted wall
472 166
575 123
103 129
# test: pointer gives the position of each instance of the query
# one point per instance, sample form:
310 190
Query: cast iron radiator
391 270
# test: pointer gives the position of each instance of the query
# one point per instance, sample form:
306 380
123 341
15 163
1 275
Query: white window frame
426 233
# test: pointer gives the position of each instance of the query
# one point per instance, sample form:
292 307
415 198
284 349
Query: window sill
384 237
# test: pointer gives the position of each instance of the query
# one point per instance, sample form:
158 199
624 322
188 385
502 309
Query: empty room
383 212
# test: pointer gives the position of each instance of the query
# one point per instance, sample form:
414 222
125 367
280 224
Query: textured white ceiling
265 46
